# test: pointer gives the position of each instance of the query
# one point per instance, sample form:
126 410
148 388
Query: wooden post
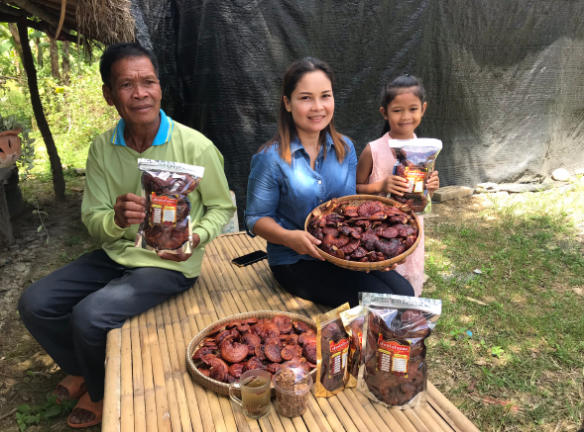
27 60
37 42
66 66
5 225
54 51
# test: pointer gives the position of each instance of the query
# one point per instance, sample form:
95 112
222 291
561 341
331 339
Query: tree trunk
66 65
27 60
17 44
37 42
54 58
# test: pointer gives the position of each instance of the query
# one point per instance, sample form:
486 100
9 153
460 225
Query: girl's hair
396 87
286 127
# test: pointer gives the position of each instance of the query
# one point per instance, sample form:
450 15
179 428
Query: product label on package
339 352
415 178
163 209
393 356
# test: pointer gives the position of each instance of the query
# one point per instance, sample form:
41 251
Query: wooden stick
111 400
195 396
149 396
357 413
168 377
8 414
61 18
457 417
334 420
431 422
366 412
419 424
127 419
162 411
177 371
318 415
389 419
139 403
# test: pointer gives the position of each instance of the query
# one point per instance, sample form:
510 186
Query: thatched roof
107 21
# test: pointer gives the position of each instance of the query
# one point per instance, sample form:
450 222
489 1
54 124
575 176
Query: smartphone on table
250 258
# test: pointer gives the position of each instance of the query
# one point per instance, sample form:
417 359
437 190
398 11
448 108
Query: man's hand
129 210
181 256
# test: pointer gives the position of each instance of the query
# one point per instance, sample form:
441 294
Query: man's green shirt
112 170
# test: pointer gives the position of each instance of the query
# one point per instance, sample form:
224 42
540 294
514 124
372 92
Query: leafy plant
497 351
27 415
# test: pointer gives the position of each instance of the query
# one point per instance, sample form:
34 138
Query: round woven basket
355 200
221 387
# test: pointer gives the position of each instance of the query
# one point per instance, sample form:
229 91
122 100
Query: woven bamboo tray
355 200
221 387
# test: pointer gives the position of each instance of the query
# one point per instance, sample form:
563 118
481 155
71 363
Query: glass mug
255 393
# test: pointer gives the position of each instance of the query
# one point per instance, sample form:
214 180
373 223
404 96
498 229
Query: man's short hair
120 51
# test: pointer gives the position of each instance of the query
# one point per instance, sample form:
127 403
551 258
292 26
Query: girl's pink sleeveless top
383 163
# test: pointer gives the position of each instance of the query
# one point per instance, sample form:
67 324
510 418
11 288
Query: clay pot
10 147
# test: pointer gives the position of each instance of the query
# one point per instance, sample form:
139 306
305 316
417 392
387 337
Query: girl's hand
394 184
433 182
393 266
303 243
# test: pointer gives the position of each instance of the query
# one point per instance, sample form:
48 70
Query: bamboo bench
148 387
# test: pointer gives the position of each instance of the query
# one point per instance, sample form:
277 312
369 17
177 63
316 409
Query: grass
511 272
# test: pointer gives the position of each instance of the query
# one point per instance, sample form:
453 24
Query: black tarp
504 79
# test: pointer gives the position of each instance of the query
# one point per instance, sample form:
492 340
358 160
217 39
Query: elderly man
70 311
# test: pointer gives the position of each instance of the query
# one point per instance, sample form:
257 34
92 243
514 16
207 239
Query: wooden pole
66 65
54 51
5 225
37 106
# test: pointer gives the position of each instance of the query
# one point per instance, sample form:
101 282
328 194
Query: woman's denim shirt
289 192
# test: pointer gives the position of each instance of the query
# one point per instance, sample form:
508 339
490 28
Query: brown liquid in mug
255 404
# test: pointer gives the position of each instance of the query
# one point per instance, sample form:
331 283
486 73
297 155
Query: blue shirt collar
162 137
296 145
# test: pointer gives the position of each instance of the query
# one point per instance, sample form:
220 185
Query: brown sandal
74 386
86 404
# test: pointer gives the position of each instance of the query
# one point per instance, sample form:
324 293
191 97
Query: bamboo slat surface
148 387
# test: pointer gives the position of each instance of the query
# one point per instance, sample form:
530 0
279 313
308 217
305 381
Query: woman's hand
303 242
395 185
433 183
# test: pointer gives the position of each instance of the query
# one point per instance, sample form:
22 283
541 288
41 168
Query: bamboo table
148 387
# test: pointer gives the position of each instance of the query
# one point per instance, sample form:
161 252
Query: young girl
402 106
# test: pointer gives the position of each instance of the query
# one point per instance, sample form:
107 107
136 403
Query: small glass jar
292 386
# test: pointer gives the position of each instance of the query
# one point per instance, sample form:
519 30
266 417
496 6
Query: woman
305 164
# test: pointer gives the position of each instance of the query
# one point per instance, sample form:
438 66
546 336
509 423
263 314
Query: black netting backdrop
505 80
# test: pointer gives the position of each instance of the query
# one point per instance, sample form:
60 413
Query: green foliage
76 113
27 415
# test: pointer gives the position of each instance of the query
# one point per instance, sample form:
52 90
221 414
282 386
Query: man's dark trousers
70 311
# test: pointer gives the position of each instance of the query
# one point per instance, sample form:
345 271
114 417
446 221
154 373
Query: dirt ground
27 373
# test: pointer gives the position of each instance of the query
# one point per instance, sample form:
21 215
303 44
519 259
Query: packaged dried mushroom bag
353 320
332 351
166 186
393 370
415 163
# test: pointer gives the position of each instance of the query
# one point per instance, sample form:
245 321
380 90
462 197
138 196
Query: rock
561 174
487 188
579 172
80 171
448 193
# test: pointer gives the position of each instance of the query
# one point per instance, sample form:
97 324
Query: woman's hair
396 87
286 127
